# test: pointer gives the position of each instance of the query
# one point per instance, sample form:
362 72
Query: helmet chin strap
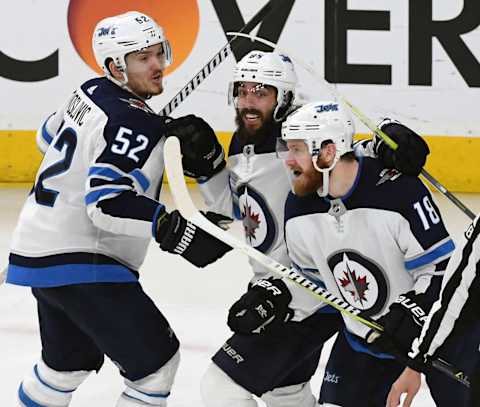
323 191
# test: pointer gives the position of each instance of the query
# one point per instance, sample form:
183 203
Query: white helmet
267 68
317 122
115 37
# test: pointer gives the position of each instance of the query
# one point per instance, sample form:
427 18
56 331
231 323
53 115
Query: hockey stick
364 119
184 203
215 61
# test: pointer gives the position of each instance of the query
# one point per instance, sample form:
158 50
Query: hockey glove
264 306
402 324
202 154
218 219
178 236
411 153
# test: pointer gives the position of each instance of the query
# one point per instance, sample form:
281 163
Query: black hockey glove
264 306
176 235
411 154
402 324
202 154
220 220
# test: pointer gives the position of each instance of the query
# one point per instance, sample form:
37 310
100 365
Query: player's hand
178 236
402 324
409 382
264 306
202 154
218 219
411 154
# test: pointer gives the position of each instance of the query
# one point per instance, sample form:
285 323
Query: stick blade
173 168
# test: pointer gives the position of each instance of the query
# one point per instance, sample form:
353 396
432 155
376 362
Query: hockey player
254 188
84 230
454 313
376 239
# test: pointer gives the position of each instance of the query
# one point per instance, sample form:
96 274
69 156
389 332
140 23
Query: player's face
305 178
255 104
145 70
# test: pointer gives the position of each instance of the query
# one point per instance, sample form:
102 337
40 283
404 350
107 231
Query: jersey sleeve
459 299
125 173
424 240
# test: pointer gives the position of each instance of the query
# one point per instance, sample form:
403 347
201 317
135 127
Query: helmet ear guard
283 108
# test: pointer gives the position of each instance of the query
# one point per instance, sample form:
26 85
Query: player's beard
308 182
251 135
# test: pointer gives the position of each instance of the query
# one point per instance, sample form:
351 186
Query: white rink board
447 107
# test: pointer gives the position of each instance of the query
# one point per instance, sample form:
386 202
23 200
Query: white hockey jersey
253 188
383 238
89 215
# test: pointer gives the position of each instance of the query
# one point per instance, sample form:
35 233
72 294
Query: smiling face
145 71
255 104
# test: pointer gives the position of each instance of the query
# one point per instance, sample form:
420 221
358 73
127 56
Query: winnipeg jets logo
251 222
388 174
355 285
257 218
360 281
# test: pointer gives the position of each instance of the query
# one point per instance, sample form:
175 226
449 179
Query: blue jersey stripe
94 196
141 178
68 274
45 134
112 174
431 256
104 172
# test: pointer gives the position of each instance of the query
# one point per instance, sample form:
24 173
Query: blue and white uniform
384 238
253 188
378 241
111 142
84 228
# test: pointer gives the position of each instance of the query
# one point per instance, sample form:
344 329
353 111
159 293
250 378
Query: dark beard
258 136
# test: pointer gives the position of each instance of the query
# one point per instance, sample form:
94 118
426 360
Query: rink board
453 160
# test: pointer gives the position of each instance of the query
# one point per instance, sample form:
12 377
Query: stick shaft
214 62
363 118
184 203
